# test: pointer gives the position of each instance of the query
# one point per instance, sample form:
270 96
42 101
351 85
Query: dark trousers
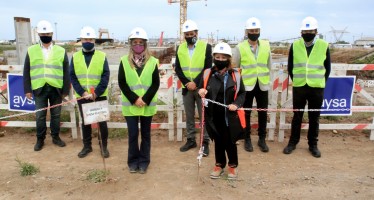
51 95
190 100
139 157
223 144
262 102
87 129
314 98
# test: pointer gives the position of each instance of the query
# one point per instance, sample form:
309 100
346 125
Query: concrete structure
23 37
365 41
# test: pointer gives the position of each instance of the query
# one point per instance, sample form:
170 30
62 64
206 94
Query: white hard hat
138 33
88 32
253 23
309 23
222 48
189 25
44 27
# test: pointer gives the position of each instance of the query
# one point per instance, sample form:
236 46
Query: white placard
94 112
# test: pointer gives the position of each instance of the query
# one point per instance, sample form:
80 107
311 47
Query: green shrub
27 169
97 175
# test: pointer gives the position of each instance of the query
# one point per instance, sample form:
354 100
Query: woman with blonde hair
139 81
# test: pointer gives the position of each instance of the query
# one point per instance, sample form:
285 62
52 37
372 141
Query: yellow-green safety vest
193 66
309 70
46 71
252 68
91 76
139 85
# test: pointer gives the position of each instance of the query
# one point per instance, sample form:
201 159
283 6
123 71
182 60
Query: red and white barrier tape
293 110
38 110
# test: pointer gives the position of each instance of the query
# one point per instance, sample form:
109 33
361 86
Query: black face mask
46 39
221 64
191 40
253 37
308 37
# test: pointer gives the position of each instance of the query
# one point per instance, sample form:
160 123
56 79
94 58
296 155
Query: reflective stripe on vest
236 77
309 70
46 71
89 76
139 85
193 66
252 68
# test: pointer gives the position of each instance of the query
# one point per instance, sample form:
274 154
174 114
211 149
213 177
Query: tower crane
183 13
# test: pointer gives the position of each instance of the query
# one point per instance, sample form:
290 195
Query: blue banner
338 95
17 100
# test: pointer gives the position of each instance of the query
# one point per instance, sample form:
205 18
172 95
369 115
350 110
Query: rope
41 109
292 109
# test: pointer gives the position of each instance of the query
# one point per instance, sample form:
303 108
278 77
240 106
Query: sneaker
233 173
57 141
189 145
206 149
216 173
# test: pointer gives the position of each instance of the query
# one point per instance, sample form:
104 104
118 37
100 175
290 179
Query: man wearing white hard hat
254 58
89 68
46 80
139 80
309 67
223 84
192 57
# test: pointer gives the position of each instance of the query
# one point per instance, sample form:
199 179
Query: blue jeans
139 157
51 95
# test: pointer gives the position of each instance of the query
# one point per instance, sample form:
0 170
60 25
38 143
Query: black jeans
262 102
51 95
139 157
223 143
87 129
314 97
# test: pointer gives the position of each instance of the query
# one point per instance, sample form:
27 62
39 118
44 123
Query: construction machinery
101 40
183 13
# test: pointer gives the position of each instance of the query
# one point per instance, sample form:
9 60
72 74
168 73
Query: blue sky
281 19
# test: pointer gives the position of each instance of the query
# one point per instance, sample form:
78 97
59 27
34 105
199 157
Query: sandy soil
345 171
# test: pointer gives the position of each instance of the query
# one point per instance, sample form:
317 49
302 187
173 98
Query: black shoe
189 145
105 153
85 151
248 145
57 141
262 144
289 148
314 151
206 149
39 145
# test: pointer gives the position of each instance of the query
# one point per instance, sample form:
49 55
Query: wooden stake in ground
99 134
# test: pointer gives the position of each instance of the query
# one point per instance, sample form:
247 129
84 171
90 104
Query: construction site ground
345 170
